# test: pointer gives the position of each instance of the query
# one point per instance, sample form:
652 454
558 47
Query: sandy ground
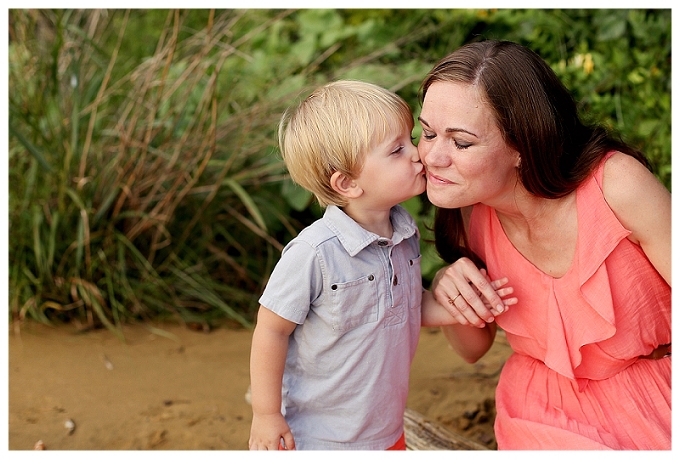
173 388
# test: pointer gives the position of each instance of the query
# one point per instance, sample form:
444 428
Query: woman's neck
544 231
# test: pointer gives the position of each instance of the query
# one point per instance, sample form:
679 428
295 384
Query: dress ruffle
565 334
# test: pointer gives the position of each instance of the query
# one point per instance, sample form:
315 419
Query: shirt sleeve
295 283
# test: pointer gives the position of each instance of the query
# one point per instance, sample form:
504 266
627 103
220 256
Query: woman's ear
345 186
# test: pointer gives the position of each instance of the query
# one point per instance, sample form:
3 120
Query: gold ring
452 302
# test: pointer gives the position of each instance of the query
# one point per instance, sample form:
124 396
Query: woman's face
462 149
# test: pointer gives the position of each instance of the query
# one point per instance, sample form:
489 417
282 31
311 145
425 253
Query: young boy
340 318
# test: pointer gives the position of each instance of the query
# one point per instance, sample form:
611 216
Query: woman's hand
469 295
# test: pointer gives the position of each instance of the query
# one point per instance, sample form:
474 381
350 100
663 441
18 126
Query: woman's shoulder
617 163
625 180
637 198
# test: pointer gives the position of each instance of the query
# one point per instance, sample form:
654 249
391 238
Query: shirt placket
394 311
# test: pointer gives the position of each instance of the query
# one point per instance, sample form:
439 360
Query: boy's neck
375 221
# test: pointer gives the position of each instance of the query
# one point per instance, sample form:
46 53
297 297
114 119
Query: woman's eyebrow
448 130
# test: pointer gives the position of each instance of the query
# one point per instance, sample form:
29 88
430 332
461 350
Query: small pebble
107 362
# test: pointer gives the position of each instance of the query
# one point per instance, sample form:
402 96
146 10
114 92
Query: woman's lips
437 180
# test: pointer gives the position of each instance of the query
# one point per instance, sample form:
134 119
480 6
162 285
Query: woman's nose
431 154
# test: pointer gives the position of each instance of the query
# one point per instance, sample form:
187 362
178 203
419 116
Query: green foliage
144 175
617 63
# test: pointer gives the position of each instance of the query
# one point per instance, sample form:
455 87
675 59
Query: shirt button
334 287
395 280
371 277
382 243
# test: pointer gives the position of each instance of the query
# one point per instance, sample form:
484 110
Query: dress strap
599 172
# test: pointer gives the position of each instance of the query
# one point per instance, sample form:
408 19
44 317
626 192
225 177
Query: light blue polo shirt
356 297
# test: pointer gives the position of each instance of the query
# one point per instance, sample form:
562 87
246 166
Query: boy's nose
415 157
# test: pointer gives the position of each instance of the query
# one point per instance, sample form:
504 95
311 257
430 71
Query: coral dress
575 379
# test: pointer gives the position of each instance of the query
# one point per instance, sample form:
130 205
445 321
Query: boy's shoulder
334 231
330 226
316 234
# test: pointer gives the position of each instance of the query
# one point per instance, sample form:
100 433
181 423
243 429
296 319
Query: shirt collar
354 238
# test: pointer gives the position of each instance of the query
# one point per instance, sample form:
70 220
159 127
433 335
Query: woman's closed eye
460 145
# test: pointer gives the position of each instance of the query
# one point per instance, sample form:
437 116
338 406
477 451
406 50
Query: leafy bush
144 176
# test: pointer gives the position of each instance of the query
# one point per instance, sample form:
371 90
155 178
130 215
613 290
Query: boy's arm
267 362
434 314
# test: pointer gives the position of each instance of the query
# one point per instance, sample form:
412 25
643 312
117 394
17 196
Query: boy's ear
345 186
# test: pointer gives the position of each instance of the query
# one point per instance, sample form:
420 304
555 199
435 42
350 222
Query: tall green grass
145 181
153 189
145 194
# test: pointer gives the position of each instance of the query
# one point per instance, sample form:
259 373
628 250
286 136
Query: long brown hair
536 116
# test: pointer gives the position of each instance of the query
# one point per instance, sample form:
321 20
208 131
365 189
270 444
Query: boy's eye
398 149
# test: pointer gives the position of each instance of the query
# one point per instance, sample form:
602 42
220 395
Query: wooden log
423 434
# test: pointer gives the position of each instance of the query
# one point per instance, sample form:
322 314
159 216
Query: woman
581 228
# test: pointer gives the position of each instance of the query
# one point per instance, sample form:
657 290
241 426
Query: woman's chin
436 198
444 201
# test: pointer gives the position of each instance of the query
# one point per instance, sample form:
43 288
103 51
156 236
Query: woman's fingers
469 295
447 290
473 308
454 310
475 290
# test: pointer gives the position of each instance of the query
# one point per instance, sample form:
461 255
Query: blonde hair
333 129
